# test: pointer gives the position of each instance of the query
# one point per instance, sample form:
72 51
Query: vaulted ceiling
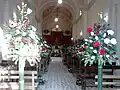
46 11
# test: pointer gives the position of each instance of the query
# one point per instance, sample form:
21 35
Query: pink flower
96 44
89 29
25 40
11 43
102 51
32 41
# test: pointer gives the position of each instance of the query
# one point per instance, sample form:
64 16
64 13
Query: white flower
92 33
18 7
104 35
91 47
86 39
96 37
90 41
33 28
93 57
107 56
113 41
95 51
29 11
107 40
22 3
8 36
1 32
17 31
12 24
110 32
14 16
24 34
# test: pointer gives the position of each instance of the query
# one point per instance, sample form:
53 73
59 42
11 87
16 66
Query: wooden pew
10 80
89 72
110 80
86 73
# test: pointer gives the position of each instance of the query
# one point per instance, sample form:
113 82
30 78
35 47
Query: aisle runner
58 77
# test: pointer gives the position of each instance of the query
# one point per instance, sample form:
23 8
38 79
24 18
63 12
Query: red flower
80 49
116 58
11 43
96 44
85 46
114 53
103 29
98 26
25 40
43 48
102 51
94 24
97 32
89 29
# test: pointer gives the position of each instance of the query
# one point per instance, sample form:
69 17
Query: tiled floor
58 78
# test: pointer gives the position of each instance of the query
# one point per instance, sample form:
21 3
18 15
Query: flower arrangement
22 42
100 44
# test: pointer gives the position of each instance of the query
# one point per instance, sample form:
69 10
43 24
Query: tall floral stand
21 74
100 68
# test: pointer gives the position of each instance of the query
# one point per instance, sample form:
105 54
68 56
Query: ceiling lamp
80 12
59 1
72 38
81 33
56 19
57 26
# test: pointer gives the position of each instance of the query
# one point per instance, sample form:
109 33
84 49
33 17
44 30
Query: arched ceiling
64 15
72 5
46 12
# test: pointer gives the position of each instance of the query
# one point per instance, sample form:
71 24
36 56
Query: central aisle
58 77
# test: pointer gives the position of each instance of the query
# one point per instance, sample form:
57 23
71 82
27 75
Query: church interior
59 45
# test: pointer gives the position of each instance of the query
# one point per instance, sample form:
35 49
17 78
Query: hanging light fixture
81 33
59 1
57 26
56 19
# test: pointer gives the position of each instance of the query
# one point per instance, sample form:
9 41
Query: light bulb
56 19
71 38
81 33
57 26
59 1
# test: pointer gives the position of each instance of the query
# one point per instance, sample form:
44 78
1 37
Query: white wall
116 22
98 6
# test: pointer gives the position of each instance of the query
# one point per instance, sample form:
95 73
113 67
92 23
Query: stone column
1 11
74 31
85 17
6 11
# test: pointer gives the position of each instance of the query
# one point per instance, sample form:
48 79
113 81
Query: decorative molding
91 3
